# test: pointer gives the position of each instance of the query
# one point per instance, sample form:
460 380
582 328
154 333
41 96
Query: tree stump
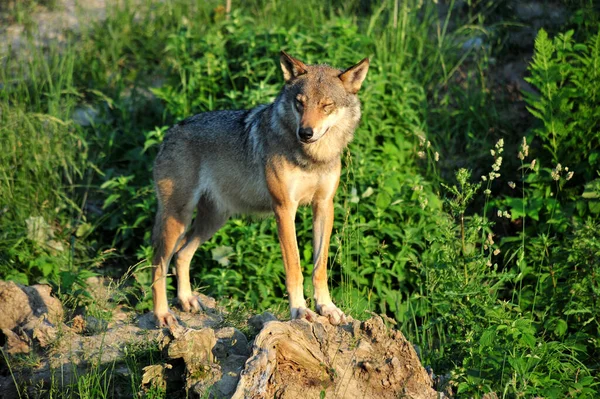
361 359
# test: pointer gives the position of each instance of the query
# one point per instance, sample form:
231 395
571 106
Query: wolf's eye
328 108
299 104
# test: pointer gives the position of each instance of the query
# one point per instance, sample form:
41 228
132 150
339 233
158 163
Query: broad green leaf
383 200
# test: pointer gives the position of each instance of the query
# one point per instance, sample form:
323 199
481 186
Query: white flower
368 192
497 164
525 147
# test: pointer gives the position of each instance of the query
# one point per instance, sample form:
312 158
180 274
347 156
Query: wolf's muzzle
305 134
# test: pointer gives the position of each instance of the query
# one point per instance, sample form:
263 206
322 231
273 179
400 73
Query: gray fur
254 161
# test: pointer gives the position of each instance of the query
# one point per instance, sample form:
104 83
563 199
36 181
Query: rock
359 359
94 325
43 303
29 314
231 341
146 321
14 305
16 342
86 116
78 324
20 304
232 351
43 333
474 43
258 321
534 15
526 11
513 73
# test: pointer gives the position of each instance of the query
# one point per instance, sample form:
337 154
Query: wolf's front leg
284 215
322 226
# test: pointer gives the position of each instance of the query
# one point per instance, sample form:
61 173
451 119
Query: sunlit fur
224 163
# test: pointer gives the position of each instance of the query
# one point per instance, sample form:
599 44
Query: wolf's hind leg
168 232
175 190
208 221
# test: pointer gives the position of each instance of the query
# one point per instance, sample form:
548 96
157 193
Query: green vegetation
489 261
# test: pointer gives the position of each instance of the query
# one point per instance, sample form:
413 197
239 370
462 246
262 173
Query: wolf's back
219 155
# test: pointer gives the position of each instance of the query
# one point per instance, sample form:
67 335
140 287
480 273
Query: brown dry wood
302 359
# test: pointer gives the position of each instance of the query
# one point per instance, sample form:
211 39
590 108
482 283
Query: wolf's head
322 99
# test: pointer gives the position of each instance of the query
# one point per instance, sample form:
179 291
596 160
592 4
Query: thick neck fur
283 122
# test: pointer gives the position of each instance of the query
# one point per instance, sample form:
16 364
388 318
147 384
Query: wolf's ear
291 67
353 77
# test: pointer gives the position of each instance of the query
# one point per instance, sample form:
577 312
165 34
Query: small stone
16 342
86 116
78 324
94 326
258 321
474 43
42 332
527 11
231 340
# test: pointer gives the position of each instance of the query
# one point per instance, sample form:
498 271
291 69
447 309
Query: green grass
505 302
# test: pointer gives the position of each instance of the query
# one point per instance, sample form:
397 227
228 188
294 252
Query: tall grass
480 275
43 158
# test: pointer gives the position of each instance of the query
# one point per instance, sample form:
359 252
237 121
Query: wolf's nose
305 133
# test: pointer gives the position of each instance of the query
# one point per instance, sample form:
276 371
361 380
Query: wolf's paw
165 319
333 313
304 313
191 303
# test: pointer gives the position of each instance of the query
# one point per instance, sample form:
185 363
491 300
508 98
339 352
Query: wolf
269 159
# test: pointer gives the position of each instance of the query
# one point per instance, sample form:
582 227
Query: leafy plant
492 273
567 75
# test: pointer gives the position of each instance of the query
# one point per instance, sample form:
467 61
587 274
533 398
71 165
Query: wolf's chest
302 186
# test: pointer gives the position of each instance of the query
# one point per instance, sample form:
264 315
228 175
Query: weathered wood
302 359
